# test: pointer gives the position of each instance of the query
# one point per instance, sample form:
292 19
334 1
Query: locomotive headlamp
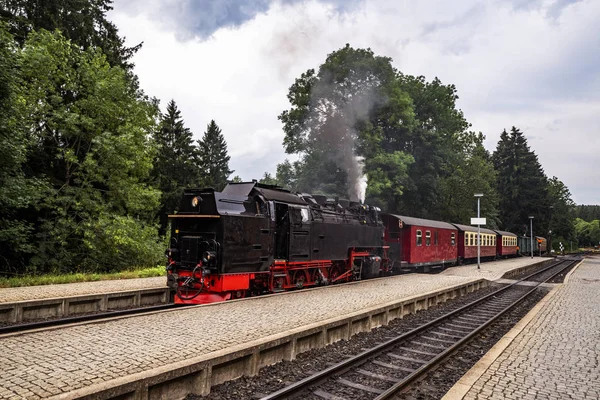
209 259
195 201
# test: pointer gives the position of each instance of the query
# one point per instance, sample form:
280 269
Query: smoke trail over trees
329 109
416 153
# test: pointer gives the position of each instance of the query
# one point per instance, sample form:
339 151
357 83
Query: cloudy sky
534 64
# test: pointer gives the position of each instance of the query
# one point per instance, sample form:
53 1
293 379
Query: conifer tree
522 185
175 166
213 157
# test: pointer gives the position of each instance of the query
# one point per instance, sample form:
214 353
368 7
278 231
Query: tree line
90 168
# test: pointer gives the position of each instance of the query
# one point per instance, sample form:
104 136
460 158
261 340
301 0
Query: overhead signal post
478 221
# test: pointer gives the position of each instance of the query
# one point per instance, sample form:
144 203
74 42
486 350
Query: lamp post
531 233
549 249
479 196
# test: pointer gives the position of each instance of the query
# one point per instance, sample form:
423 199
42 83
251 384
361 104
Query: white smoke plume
337 133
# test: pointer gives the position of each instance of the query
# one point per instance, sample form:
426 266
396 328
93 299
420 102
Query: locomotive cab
215 234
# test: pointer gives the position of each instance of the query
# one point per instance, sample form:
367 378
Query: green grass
32 280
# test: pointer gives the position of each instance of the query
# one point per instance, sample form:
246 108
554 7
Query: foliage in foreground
84 199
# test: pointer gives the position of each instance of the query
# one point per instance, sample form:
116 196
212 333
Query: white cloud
534 65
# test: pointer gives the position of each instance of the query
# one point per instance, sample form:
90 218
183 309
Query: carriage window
452 239
471 239
305 214
435 238
419 238
427 238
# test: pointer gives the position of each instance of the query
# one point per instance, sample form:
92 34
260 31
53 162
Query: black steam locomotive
252 239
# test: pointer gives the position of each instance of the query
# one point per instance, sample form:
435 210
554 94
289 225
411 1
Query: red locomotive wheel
334 272
316 277
299 278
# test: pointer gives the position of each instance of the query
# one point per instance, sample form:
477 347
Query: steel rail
346 365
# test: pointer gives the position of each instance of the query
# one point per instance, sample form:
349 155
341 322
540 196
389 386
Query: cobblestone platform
557 354
43 364
492 270
10 295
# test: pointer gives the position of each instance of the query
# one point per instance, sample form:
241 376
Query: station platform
489 270
553 353
95 358
27 293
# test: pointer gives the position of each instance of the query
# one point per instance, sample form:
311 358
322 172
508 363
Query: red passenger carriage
417 243
467 243
507 245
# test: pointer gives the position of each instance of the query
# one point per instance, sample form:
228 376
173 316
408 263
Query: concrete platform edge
466 382
197 375
26 310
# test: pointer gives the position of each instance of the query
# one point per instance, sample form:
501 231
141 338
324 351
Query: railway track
389 368
55 323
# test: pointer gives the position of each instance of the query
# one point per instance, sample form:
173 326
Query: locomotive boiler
253 239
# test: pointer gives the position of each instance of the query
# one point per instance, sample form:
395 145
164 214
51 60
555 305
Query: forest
90 167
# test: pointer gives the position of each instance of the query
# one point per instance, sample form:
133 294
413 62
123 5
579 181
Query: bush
115 243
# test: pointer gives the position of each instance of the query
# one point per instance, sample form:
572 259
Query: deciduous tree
19 191
335 117
90 129
472 173
83 22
